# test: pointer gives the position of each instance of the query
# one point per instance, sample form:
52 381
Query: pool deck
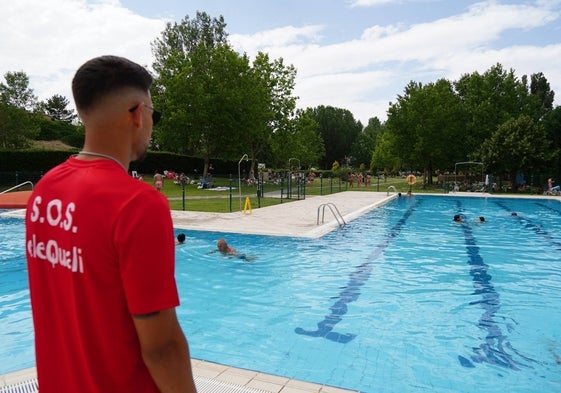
296 219
209 378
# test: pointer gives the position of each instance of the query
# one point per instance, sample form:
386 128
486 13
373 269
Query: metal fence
12 179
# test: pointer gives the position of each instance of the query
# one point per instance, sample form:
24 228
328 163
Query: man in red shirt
103 298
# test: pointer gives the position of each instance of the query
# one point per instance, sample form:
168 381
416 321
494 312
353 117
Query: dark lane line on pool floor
530 225
541 204
351 292
492 350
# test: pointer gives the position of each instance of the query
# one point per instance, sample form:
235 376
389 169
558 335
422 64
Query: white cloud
346 90
280 37
372 3
49 39
336 74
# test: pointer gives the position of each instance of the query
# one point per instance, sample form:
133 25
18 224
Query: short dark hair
104 75
181 237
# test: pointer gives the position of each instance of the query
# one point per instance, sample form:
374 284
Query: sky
352 54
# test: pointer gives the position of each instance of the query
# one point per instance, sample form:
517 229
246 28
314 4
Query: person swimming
180 239
223 247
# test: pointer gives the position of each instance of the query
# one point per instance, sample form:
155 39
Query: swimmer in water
180 239
226 250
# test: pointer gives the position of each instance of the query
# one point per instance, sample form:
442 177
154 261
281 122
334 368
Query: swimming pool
403 299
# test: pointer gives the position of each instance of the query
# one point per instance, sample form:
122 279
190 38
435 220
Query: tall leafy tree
17 127
217 104
364 144
56 108
299 139
491 99
517 146
427 125
338 129
178 40
197 73
383 157
206 105
16 91
269 104
539 88
17 124
552 127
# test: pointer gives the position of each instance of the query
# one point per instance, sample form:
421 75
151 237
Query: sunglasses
156 116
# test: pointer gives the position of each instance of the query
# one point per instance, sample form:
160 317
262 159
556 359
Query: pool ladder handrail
391 188
18 186
336 213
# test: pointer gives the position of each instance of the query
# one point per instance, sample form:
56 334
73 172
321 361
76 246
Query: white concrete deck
294 218
209 378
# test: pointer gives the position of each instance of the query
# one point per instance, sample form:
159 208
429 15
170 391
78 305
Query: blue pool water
401 300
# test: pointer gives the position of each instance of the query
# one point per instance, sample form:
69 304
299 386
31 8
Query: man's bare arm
165 351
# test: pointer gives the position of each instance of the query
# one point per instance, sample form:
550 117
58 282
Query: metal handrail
336 213
391 187
18 186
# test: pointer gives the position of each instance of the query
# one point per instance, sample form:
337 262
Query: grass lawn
228 200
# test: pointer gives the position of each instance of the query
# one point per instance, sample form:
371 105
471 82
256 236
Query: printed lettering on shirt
56 215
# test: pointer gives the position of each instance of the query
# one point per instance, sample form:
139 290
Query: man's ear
136 115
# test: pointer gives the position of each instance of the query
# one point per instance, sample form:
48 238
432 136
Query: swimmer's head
481 219
457 218
222 245
181 238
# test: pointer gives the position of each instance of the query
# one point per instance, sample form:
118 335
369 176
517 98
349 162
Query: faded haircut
104 75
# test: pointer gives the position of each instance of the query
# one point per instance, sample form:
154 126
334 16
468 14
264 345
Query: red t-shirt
100 247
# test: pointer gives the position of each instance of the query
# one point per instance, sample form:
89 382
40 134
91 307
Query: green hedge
40 161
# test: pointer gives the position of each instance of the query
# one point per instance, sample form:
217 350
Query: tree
299 139
16 91
17 127
206 105
197 77
539 88
518 146
383 158
217 104
338 130
177 42
364 144
552 127
426 125
56 108
490 100
269 104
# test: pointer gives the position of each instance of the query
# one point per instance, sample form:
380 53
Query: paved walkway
295 218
